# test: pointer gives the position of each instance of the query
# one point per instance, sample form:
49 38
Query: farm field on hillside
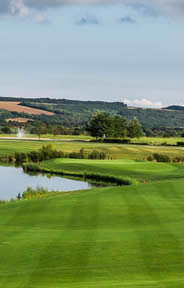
14 106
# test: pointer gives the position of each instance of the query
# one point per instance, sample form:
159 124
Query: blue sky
107 50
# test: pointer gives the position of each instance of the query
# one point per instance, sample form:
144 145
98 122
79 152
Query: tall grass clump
34 193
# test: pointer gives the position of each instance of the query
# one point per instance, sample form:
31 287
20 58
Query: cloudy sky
111 50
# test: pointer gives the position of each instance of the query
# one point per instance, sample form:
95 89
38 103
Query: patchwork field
14 106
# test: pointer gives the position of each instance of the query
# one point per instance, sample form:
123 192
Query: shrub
178 159
45 153
10 159
97 155
150 158
20 158
117 140
74 155
161 157
33 193
34 156
180 143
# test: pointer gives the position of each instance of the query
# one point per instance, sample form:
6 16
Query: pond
13 181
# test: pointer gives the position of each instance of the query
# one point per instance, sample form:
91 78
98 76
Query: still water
13 181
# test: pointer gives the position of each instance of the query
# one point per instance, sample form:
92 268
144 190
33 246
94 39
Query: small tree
6 130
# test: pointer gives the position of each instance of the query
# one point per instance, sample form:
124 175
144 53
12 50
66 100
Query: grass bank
141 171
84 174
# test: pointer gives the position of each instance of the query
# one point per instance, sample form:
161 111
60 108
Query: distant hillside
176 108
74 113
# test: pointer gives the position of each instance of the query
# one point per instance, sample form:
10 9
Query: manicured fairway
109 237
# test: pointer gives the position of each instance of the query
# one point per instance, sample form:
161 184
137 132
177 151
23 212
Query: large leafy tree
103 124
99 125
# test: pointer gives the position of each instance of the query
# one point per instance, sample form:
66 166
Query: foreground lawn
109 237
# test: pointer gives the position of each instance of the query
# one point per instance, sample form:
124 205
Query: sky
129 51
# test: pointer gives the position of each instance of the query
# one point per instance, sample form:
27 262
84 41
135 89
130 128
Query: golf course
116 236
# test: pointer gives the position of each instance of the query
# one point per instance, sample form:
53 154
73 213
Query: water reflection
13 180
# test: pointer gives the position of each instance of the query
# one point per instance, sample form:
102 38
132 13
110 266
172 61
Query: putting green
141 170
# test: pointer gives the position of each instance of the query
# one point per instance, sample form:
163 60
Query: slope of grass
140 170
109 237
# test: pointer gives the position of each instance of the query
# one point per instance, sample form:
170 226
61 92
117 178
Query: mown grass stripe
159 247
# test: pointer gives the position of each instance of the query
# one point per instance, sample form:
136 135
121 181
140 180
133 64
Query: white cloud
17 7
143 103
146 7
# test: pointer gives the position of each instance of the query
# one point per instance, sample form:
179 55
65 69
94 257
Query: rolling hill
74 113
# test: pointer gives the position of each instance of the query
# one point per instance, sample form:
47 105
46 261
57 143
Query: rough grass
158 140
116 151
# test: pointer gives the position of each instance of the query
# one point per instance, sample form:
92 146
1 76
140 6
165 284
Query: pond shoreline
14 181
32 167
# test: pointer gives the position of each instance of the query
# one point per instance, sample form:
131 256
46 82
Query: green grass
109 237
51 136
121 237
147 140
140 170
116 151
